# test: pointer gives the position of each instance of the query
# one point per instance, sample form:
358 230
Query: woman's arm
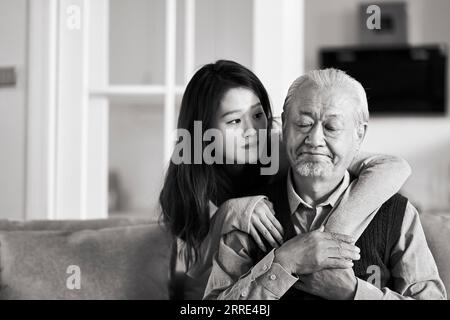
379 177
252 215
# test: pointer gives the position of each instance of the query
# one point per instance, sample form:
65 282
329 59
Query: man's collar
295 200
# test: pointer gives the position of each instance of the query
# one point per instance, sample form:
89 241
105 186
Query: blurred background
90 90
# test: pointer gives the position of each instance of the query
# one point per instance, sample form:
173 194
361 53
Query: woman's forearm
379 177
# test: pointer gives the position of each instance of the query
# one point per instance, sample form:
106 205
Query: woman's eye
305 125
259 115
235 121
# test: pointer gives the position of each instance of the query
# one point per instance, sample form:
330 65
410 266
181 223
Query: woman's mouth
249 146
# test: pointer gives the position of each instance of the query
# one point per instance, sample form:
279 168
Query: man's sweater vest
376 242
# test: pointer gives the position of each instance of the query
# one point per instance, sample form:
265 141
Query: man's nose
316 137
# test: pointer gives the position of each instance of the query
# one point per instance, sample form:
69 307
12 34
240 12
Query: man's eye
304 125
235 121
331 128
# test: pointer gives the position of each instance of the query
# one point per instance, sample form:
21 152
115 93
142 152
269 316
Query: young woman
229 98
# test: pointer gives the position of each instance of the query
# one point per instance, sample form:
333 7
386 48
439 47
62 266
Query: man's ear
361 131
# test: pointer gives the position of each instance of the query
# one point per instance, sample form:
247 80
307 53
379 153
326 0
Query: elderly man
325 120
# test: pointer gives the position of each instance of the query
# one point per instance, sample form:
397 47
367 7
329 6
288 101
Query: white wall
424 142
137 41
224 30
13 29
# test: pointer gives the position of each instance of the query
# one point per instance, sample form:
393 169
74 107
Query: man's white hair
331 78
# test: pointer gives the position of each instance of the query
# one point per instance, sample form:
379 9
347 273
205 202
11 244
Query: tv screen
397 79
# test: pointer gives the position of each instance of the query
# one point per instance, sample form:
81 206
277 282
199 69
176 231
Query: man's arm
413 267
234 275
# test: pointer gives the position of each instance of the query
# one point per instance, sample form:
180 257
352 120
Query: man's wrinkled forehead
334 101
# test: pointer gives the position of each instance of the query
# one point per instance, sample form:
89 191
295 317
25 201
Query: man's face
321 131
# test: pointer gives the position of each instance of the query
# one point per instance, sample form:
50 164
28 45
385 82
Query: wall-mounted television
399 79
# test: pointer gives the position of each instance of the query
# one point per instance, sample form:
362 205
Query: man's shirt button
273 277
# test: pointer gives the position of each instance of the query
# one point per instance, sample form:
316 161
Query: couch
118 258
91 259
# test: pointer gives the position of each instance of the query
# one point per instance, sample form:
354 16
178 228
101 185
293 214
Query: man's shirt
236 276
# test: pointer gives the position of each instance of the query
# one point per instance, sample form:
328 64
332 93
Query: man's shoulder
389 218
394 207
396 202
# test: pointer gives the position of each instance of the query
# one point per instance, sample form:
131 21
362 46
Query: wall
13 30
224 31
424 142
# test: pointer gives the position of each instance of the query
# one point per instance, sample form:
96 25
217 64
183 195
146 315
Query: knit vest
376 242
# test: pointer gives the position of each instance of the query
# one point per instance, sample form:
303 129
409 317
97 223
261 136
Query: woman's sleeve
379 177
233 214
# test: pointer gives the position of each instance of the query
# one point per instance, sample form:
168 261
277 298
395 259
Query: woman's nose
249 128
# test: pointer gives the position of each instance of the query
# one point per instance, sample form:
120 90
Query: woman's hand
263 222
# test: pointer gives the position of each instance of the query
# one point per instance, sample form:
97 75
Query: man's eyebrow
335 115
258 104
311 114
307 113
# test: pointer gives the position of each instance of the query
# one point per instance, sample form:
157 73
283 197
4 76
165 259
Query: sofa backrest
437 232
96 259
70 225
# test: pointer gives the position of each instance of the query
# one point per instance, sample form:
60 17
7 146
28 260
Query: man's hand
333 284
317 250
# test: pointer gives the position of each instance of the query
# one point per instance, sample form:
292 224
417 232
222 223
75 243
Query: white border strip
41 103
84 111
189 40
169 99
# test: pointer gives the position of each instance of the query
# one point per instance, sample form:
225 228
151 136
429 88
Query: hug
330 224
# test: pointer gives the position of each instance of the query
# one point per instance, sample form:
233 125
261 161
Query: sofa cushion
125 262
437 232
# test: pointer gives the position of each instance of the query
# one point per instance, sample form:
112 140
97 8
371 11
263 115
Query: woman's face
239 119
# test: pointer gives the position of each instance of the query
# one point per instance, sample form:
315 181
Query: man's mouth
313 154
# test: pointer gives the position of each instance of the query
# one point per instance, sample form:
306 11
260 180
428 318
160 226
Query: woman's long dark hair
188 188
